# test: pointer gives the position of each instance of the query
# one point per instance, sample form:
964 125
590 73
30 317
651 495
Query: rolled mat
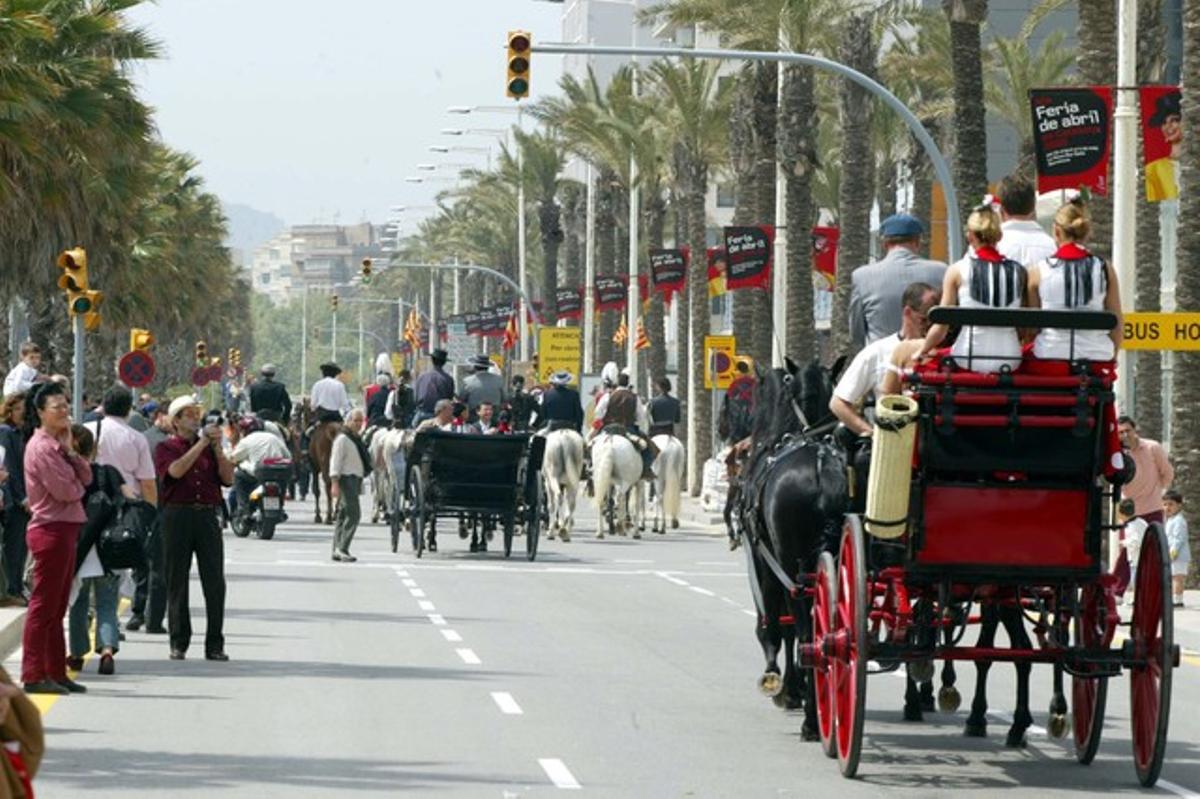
891 466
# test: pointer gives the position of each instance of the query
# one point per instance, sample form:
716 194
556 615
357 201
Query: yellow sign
559 349
1162 331
397 363
719 354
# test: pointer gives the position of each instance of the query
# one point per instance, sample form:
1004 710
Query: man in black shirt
432 386
267 395
664 409
561 407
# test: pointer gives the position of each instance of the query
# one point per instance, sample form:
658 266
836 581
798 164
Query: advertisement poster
824 256
749 252
669 268
610 292
568 302
716 271
1162 140
1072 137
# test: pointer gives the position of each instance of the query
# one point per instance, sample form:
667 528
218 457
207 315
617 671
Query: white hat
561 378
179 404
609 373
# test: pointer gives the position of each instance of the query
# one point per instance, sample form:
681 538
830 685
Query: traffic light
201 353
74 279
89 306
140 339
366 271
333 302
235 358
519 51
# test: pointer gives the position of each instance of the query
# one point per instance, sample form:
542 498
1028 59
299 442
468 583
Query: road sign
1162 331
397 364
558 349
214 373
718 361
201 377
136 369
460 347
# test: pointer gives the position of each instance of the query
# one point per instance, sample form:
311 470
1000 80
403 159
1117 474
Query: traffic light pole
77 380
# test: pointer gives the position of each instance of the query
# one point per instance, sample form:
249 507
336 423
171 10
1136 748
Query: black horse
792 500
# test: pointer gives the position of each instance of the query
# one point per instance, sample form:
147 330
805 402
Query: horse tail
603 467
572 455
555 459
672 461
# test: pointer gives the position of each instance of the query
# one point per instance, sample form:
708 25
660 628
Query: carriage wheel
533 521
1152 631
849 667
417 513
1089 695
822 616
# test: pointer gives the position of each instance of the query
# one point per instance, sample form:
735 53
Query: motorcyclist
268 398
255 447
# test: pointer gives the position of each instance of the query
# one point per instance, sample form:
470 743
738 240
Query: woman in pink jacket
55 476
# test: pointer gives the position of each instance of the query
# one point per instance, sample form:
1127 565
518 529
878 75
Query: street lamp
479 131
435 167
429 179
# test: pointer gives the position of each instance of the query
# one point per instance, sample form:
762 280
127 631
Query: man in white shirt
347 468
329 397
21 377
866 371
1022 238
122 447
256 445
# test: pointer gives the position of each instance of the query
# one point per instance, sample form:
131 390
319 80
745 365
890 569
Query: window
726 196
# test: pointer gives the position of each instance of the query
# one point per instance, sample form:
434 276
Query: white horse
668 482
562 468
384 445
616 469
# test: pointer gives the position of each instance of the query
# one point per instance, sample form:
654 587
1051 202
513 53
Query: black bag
122 543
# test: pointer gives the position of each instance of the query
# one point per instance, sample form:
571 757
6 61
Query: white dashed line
671 579
452 636
1178 790
703 591
437 619
409 582
559 774
728 601
401 572
426 606
506 703
417 592
749 612
469 657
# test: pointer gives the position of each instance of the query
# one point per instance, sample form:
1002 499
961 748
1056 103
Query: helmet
249 424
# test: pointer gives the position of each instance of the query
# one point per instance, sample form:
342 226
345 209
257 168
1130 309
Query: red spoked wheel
824 599
1152 635
1089 695
849 656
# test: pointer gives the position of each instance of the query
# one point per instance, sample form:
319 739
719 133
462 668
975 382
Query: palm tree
970 132
544 160
1097 62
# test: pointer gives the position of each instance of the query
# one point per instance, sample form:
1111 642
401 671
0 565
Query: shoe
217 656
474 546
159 630
1177 604
347 557
337 556
74 663
106 664
72 686
120 636
45 687
135 623
178 654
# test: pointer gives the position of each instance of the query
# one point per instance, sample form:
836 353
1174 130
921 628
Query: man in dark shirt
150 588
561 408
664 409
271 397
191 470
522 404
432 386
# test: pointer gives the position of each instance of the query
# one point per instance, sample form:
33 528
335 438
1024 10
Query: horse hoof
1015 739
770 684
913 713
972 730
949 699
1057 725
565 537
316 520
921 671
927 704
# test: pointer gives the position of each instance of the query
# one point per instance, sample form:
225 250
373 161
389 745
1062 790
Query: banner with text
669 268
1162 140
473 321
749 252
1071 135
610 292
568 302
824 256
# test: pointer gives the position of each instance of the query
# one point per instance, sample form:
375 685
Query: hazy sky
310 109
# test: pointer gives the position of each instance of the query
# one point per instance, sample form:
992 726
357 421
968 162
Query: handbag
122 543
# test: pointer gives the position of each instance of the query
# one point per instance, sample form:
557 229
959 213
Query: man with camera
192 469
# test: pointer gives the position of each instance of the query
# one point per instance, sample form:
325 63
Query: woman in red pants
55 477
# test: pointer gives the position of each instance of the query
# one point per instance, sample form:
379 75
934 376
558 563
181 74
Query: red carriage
1007 504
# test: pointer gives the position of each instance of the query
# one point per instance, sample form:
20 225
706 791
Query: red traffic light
518 42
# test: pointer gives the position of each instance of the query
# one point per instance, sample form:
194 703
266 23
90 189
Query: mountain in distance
248 229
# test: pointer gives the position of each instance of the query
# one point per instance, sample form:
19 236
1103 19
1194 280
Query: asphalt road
621 668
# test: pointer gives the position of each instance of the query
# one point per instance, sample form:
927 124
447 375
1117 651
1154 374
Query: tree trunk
765 145
700 414
742 154
1097 62
856 190
970 132
621 267
1147 381
797 154
1185 404
606 253
654 211
920 168
549 214
697 270
886 186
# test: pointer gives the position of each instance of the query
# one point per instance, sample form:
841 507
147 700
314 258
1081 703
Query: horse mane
774 416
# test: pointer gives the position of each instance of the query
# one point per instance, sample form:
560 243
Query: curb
12 626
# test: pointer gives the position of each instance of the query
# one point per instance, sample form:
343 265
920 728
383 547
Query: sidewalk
12 625
692 511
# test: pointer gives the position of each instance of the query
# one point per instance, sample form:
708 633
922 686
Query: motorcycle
264 509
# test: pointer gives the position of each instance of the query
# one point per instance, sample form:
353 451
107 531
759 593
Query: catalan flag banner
716 271
622 333
412 330
643 341
511 332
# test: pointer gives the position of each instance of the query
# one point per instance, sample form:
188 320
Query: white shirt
20 378
253 449
330 393
988 349
344 460
1025 241
866 371
125 449
1054 274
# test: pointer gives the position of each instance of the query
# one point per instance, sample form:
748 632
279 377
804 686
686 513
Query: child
1132 530
1177 541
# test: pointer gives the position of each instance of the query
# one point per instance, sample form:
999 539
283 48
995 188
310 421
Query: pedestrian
14 518
876 288
378 401
1133 529
402 402
432 386
1177 542
55 478
269 399
192 468
94 576
1153 475
1023 239
348 466
330 401
664 410
149 607
21 376
737 409
482 386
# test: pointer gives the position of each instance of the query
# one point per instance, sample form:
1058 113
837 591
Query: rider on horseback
329 397
560 407
619 408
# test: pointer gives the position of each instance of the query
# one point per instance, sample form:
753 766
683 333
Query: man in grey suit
875 307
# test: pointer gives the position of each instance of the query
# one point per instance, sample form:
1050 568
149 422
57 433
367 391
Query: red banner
716 271
474 322
824 254
568 302
610 292
1072 134
749 252
1162 140
669 268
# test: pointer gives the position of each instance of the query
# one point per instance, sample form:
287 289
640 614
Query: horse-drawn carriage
489 481
1007 509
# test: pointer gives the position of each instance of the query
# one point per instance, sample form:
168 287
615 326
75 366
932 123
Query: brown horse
320 446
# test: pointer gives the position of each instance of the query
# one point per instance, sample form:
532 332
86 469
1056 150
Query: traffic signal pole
77 378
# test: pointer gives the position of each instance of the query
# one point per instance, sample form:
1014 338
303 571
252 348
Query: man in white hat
560 406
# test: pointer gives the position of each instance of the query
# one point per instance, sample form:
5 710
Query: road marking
1178 790
559 774
633 560
417 592
749 612
671 579
700 590
452 636
409 582
437 618
426 606
469 657
507 704
728 601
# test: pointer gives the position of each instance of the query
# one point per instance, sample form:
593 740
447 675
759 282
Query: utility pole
360 345
77 381
522 324
779 307
634 303
1124 232
304 341
589 270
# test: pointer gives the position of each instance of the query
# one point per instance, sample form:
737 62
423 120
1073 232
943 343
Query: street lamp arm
476 268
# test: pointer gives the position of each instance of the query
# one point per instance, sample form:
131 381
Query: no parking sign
136 369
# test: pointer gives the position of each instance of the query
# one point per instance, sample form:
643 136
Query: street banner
1162 140
611 294
473 320
559 349
622 334
719 353
643 341
492 321
716 271
669 268
824 256
1072 137
748 250
644 291
568 302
